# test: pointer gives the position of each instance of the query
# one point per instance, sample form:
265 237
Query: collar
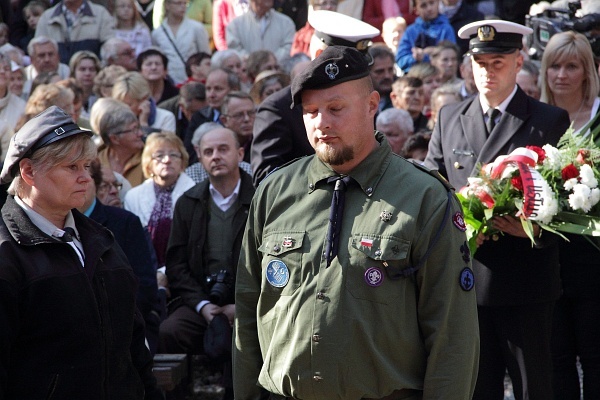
224 202
85 9
265 17
502 106
90 210
43 224
367 174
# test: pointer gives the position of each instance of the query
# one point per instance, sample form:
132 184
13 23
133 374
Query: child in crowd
31 12
423 35
130 27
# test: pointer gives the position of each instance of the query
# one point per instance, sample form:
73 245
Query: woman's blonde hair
154 141
131 84
71 149
43 97
570 46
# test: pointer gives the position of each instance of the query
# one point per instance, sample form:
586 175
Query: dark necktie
68 235
336 213
492 114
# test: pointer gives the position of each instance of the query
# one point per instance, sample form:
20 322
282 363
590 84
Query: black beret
335 65
47 127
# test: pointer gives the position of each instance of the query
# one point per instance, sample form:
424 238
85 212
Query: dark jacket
130 235
68 332
279 134
508 271
185 253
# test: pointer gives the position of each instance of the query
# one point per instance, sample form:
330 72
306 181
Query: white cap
494 36
336 29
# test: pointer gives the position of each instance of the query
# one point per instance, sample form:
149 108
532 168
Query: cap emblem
332 70
362 45
59 131
486 33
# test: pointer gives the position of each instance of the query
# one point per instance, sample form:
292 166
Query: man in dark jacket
204 247
517 284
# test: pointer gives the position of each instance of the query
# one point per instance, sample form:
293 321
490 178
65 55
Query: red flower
582 156
517 183
540 152
569 172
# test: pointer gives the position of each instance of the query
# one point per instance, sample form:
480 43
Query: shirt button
320 296
316 338
369 190
276 248
311 186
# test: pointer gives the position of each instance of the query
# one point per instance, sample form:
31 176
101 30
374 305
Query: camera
555 20
221 286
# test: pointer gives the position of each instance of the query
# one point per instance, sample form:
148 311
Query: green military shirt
351 331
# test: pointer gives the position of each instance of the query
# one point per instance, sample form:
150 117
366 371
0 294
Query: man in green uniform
364 291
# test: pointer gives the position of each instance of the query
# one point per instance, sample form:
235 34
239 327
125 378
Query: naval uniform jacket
349 331
186 266
67 331
279 134
508 271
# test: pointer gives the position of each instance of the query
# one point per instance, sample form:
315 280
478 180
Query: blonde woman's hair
131 84
70 150
44 96
155 140
570 46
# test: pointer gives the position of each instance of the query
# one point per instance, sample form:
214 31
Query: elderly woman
152 64
164 159
84 66
121 136
70 326
133 90
570 81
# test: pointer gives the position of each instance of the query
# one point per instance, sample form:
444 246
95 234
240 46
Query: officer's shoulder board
435 174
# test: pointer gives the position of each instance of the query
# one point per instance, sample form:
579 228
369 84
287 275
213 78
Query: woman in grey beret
69 326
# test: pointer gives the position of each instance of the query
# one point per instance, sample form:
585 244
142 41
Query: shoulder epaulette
435 173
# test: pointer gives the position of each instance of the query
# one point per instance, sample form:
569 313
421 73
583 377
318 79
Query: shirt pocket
374 265
281 262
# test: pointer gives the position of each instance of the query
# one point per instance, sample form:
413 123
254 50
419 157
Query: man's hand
229 311
209 311
512 226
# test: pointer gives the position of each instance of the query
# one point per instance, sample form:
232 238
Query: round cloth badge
459 221
277 274
466 280
374 277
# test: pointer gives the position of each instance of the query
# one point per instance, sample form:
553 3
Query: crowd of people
176 111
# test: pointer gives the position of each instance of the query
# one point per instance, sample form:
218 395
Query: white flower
553 158
586 173
582 197
570 183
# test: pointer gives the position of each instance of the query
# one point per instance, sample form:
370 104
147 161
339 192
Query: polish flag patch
366 242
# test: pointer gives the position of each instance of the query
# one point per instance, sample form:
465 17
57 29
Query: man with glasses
44 58
201 267
238 113
116 51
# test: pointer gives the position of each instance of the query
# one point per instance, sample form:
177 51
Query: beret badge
486 33
332 70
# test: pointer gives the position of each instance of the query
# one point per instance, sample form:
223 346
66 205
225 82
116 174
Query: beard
333 156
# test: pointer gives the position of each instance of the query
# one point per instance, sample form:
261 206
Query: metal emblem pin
385 216
486 33
332 70
288 242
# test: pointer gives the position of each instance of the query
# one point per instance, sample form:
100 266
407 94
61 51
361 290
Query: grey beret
47 127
